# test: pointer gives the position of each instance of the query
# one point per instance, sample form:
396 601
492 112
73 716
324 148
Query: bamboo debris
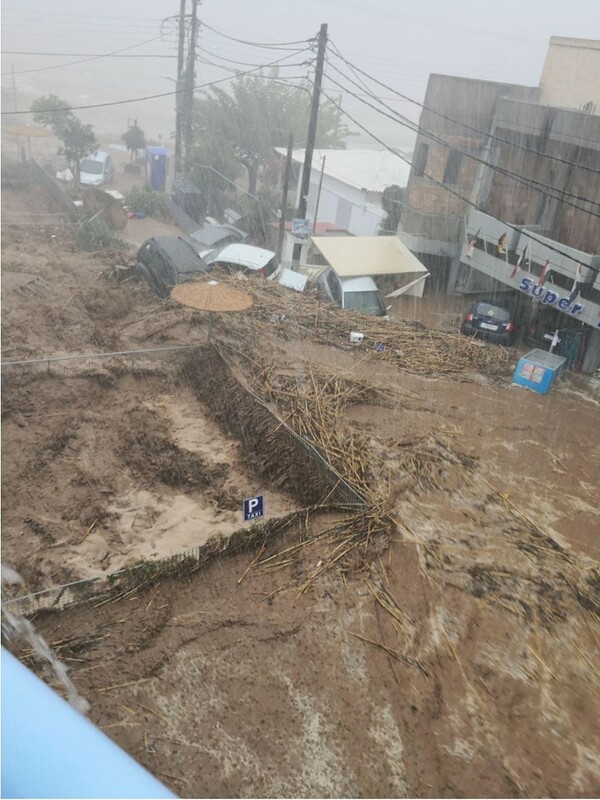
408 344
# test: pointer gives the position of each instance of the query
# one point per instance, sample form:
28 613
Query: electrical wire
451 191
268 45
94 55
86 60
415 127
465 125
152 96
50 14
233 61
538 186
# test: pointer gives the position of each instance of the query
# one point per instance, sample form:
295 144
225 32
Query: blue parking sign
254 507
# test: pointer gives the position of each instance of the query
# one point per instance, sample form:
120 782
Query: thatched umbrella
211 296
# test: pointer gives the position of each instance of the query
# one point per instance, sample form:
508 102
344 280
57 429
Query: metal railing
84 362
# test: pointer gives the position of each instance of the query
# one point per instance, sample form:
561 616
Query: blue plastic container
538 369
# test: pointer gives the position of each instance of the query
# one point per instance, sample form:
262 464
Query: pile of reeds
410 345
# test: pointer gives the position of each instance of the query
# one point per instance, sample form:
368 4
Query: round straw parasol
211 296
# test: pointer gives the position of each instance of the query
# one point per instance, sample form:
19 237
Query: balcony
486 259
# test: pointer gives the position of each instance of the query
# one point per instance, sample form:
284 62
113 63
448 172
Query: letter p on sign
254 507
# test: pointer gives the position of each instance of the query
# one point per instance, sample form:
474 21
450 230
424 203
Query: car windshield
494 312
91 166
367 302
271 267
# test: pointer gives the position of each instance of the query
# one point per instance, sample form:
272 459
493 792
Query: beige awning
351 256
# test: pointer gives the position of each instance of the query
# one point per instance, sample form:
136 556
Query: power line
451 191
458 122
538 186
269 45
153 96
94 55
9 14
86 60
234 61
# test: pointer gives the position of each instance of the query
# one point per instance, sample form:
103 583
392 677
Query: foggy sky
397 41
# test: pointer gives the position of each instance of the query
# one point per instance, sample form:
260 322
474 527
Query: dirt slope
446 643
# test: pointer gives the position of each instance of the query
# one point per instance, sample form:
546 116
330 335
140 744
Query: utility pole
190 80
312 132
284 197
314 227
179 86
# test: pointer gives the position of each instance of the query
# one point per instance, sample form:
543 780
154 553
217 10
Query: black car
165 261
490 321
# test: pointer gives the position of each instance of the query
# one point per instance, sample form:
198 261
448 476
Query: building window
452 167
420 161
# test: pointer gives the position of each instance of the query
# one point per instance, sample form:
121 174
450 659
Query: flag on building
520 260
542 277
470 245
578 283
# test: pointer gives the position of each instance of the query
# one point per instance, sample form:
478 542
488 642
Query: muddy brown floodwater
440 639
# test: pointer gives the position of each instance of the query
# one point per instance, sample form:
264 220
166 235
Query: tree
392 200
134 139
258 115
257 212
78 139
214 170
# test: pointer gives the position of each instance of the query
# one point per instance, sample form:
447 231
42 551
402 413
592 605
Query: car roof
181 252
246 255
362 284
210 235
99 155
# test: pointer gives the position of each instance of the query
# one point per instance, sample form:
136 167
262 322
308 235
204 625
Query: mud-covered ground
455 654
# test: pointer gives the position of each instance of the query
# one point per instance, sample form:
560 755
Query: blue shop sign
549 298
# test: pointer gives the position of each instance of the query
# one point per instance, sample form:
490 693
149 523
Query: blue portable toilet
156 168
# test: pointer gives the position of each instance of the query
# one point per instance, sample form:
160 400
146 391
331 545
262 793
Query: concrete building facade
492 160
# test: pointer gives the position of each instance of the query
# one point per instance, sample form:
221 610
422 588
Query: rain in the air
300 398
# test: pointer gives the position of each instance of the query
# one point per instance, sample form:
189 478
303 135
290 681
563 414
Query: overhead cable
268 45
153 96
538 186
85 60
462 124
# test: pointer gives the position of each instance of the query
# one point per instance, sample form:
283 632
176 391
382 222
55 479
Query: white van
96 169
358 294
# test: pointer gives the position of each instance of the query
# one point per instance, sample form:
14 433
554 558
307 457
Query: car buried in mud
164 261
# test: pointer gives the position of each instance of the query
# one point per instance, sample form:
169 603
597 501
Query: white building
353 182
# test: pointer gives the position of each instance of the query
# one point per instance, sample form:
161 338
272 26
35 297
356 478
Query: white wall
343 205
570 74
